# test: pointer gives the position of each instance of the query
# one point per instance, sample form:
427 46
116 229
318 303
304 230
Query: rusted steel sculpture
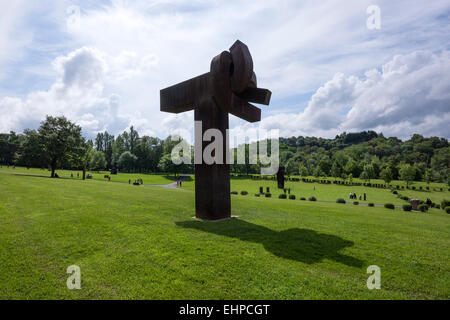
280 177
227 88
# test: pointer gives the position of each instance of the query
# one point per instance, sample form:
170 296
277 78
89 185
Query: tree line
368 155
58 143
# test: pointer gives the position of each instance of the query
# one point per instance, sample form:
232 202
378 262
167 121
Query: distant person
364 196
129 181
109 178
350 195
78 175
71 175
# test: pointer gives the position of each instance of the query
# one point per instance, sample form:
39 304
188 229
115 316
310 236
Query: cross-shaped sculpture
227 88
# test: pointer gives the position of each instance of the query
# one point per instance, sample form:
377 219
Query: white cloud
132 49
77 93
411 94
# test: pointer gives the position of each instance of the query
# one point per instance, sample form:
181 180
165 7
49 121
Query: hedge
407 207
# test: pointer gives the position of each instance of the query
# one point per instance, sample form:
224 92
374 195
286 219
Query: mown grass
331 192
142 243
96 175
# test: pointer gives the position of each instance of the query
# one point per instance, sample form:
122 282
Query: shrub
445 203
438 206
282 196
371 204
244 193
340 200
447 209
303 198
233 192
257 194
389 206
407 207
395 192
355 203
268 195
312 199
423 207
292 197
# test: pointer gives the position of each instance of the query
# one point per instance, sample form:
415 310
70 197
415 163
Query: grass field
142 243
121 177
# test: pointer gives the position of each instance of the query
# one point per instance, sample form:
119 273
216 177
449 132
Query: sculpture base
218 220
212 181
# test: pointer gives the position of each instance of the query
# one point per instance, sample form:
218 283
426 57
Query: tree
350 178
353 168
9 145
97 160
407 173
318 172
127 161
303 171
386 175
31 153
60 141
86 156
428 176
325 166
368 173
336 171
166 164
291 167
99 141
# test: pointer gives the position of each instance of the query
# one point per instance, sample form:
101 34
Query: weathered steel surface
228 88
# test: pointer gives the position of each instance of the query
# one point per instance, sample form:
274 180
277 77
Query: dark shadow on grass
304 245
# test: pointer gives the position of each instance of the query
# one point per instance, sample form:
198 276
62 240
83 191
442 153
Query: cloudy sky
103 65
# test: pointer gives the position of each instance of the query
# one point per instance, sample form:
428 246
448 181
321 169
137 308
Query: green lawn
142 243
331 192
121 177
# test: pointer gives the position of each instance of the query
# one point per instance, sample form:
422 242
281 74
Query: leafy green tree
292 167
386 175
407 173
303 171
60 141
325 166
31 153
85 157
353 168
350 178
368 173
166 164
336 170
127 161
428 176
97 160
318 172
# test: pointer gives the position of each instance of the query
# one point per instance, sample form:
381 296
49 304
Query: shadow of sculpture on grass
304 245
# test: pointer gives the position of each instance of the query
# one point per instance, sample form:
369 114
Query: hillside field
142 243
